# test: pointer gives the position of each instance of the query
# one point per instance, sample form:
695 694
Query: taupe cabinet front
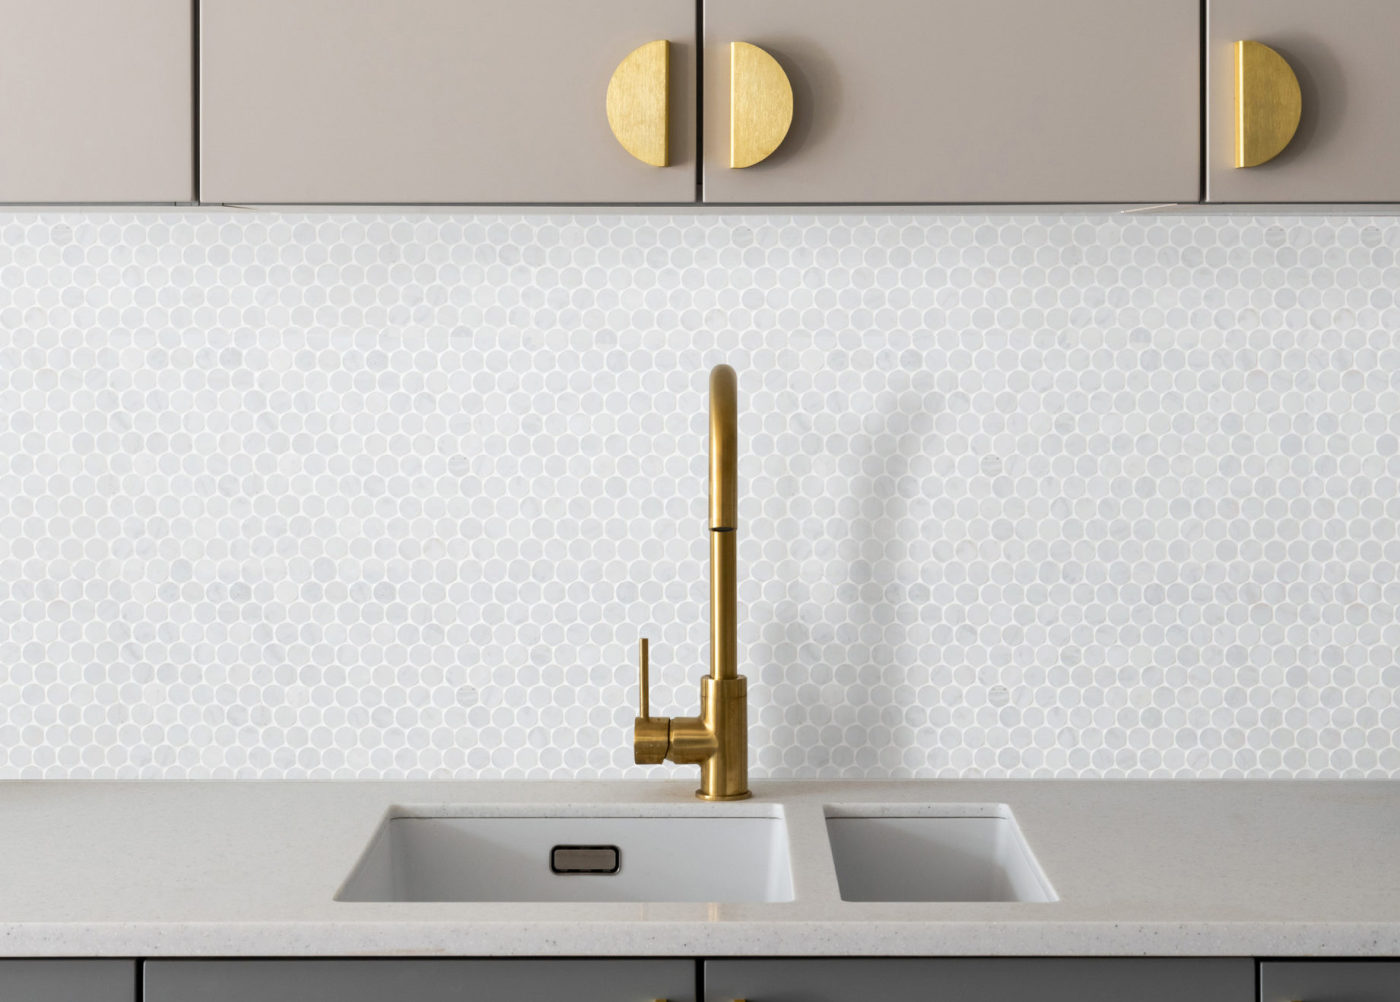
433 101
463 101
98 102
483 101
417 980
966 100
981 979
1344 54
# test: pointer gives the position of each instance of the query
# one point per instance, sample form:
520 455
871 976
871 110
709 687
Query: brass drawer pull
1268 104
639 103
760 104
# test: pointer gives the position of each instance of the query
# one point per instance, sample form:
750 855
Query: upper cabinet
464 102
903 101
97 101
1305 110
446 101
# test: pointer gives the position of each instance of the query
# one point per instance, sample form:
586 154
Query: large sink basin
936 853
524 856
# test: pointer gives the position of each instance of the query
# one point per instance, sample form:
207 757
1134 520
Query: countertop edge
291 940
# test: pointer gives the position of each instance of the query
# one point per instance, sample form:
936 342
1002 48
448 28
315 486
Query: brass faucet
717 740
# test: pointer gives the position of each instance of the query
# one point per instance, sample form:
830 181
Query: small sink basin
937 853
519 856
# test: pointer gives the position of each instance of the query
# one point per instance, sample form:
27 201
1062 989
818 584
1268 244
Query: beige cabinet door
96 101
1344 54
433 101
965 100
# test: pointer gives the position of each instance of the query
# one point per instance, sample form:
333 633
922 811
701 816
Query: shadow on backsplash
382 496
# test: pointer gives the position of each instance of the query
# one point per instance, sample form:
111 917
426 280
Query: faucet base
724 714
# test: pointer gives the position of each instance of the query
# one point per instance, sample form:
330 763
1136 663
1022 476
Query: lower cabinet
981 980
1329 981
372 980
67 980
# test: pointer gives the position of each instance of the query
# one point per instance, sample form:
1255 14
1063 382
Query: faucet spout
716 740
724 449
724 522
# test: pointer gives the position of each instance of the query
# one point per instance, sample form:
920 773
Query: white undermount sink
526 856
941 852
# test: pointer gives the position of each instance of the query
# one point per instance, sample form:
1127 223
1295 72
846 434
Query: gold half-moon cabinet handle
638 102
1268 104
760 104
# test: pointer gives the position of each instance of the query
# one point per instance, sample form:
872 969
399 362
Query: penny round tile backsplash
360 496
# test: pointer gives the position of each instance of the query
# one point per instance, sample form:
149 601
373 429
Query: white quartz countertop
1154 868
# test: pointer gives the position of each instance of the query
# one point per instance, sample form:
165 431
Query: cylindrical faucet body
724 600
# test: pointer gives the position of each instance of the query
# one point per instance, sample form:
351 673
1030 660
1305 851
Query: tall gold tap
717 740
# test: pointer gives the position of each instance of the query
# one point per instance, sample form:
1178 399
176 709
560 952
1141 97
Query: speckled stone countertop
1150 868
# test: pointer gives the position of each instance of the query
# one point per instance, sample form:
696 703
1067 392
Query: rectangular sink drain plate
596 859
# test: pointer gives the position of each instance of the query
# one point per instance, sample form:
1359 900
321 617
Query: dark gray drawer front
1329 981
68 980
991 979
418 980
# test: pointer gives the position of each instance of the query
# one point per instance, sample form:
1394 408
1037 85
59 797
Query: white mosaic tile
364 496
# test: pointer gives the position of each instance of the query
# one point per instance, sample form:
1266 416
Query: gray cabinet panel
1347 148
966 100
433 101
1329 981
418 980
67 980
983 980
99 101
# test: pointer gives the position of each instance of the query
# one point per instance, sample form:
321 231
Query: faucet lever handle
651 736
